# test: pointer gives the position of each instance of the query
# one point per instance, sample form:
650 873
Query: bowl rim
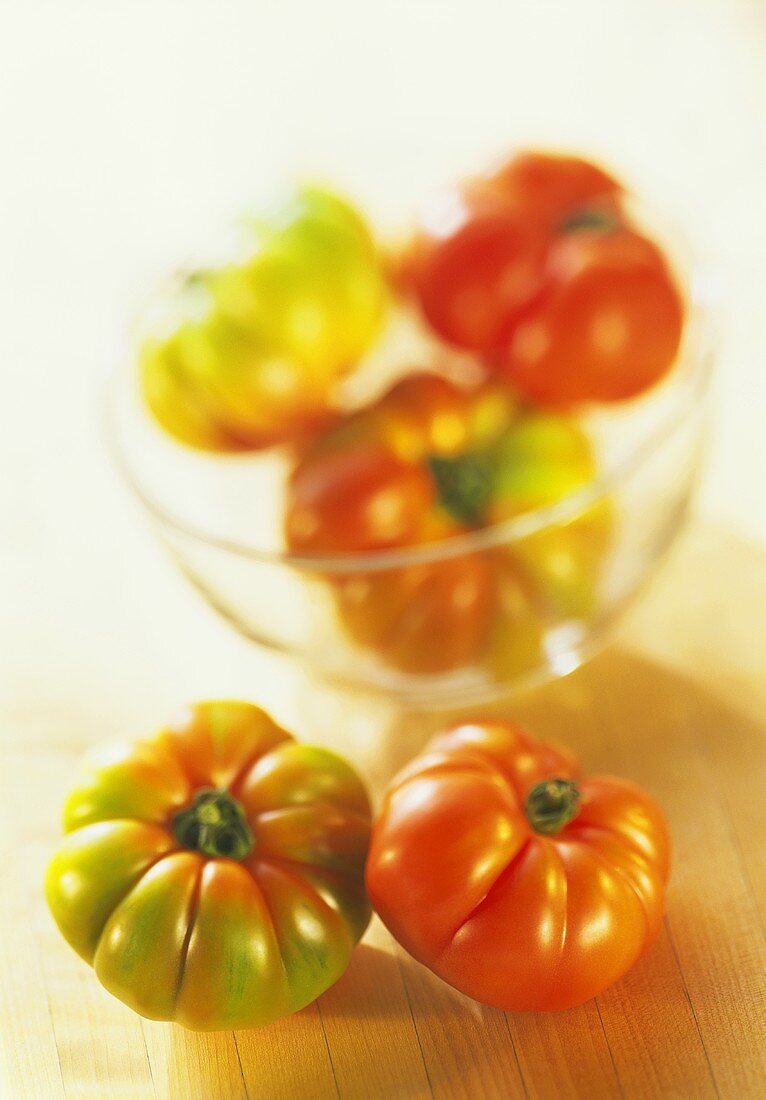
695 368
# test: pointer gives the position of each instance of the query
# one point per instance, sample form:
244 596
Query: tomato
553 189
367 485
477 260
257 346
477 263
607 326
214 386
516 880
540 461
385 475
429 461
213 876
537 267
422 618
363 498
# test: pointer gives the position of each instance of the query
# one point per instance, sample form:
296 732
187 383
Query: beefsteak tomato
516 880
256 347
538 266
428 461
213 876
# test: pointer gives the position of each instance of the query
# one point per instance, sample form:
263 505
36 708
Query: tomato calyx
552 804
464 485
589 217
214 824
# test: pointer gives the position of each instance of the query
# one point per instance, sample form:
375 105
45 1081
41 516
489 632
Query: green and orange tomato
213 875
429 462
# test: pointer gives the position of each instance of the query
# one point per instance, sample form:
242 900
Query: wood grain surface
676 702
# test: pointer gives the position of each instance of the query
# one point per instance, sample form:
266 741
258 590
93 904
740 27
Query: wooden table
677 702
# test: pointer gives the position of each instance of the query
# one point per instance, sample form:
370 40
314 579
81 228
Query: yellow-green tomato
541 460
214 876
268 338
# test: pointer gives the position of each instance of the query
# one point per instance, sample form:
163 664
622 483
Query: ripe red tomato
477 260
514 879
367 499
552 188
536 267
607 326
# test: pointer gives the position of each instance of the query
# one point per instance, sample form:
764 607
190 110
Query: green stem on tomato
214 824
552 804
589 217
464 485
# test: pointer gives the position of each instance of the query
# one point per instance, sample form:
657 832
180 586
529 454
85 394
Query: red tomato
365 500
477 260
551 188
476 263
514 879
607 327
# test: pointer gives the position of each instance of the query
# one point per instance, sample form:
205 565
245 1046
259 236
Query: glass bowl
591 551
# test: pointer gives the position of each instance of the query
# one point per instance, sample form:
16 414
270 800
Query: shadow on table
610 712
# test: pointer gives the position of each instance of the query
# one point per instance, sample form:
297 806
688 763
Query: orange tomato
370 485
427 461
421 618
515 879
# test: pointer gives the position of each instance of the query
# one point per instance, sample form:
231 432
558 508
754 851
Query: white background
127 129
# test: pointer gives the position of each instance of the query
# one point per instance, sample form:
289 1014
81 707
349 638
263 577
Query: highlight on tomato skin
213 876
516 879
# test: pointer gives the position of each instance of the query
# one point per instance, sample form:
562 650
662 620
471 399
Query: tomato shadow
620 710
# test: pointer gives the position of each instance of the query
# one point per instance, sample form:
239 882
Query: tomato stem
552 804
214 824
463 484
589 217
